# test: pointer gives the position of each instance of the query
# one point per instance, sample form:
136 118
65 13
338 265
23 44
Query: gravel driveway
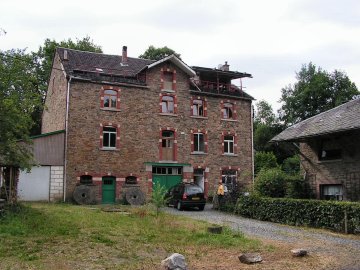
314 240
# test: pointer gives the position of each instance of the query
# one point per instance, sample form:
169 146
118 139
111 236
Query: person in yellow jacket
220 193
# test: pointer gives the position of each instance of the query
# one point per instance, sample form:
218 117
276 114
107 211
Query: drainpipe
252 144
66 135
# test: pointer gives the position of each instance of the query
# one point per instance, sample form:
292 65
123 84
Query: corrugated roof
342 118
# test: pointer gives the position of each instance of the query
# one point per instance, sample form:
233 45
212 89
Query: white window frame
230 144
108 134
197 138
197 104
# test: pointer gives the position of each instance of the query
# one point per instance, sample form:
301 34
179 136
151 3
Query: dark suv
185 195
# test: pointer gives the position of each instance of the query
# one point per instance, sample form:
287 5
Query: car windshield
190 190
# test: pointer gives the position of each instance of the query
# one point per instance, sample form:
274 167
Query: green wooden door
108 189
167 181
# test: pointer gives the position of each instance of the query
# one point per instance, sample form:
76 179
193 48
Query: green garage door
167 176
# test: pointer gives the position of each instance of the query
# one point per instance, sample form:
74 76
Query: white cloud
269 39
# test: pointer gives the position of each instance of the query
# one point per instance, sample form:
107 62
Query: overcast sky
268 39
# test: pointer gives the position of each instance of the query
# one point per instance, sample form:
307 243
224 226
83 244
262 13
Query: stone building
330 151
138 121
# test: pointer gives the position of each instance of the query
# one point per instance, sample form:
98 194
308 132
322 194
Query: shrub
270 183
265 160
158 197
291 165
297 187
313 213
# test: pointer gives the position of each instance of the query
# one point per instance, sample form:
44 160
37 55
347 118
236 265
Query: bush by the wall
264 160
312 213
291 165
297 187
271 183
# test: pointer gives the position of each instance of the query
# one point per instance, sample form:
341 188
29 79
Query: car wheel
179 206
201 207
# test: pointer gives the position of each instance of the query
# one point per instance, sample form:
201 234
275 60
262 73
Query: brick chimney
124 58
225 67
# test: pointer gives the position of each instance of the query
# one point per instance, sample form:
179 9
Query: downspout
66 134
252 145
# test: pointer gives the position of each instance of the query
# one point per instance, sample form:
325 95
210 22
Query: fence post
346 221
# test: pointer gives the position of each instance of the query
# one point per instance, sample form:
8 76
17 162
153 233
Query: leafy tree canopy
267 126
153 53
264 114
19 99
315 91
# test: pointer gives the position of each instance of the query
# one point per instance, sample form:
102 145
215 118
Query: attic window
169 81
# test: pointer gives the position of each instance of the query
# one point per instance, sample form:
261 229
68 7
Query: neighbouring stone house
330 151
138 121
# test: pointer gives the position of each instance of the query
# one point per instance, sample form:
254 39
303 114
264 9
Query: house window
198 107
199 142
167 104
331 192
110 97
168 78
109 137
131 180
228 111
330 150
86 179
229 144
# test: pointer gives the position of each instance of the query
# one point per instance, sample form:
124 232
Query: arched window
110 99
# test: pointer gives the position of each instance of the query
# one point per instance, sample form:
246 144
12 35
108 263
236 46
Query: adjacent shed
45 181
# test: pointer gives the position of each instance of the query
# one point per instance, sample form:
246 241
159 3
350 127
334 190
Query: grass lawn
64 236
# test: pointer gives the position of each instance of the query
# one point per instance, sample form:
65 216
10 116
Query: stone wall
140 123
344 171
53 118
56 183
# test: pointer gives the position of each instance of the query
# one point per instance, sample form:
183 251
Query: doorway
108 189
199 178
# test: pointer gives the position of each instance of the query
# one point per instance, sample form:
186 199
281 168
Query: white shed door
35 185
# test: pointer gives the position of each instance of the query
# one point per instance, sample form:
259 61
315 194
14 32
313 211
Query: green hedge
312 213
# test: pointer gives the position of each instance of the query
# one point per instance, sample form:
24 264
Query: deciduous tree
19 98
315 91
154 53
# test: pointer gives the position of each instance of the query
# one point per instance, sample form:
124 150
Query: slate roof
345 117
105 68
109 64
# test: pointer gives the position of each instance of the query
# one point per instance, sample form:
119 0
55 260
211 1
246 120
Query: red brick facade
139 127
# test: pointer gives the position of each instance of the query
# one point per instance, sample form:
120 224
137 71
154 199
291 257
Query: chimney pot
65 55
225 67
